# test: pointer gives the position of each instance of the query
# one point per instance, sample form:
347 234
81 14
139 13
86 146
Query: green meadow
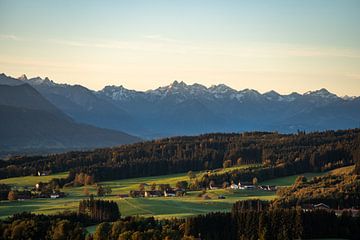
289 180
160 207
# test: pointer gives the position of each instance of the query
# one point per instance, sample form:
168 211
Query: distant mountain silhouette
182 109
31 124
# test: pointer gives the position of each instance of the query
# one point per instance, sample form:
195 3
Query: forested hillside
280 155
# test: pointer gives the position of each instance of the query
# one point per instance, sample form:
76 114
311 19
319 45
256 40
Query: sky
282 45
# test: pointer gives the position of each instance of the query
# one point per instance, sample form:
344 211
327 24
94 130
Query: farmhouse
136 193
268 188
169 193
45 173
312 207
321 206
153 193
54 195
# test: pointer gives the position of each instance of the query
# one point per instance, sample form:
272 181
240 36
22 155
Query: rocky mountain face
182 109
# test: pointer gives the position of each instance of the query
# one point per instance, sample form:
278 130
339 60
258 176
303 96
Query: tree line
282 153
251 219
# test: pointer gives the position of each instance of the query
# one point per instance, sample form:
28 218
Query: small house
54 195
268 188
248 187
169 193
321 206
153 193
136 193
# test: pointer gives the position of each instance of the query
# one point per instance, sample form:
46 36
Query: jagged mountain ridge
221 91
182 109
245 110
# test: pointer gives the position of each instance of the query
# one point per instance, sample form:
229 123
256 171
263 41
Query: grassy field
289 180
159 207
30 181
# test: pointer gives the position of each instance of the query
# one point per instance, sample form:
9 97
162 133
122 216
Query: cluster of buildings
27 194
248 186
322 206
155 193
41 190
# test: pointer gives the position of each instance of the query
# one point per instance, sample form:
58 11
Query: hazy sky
282 45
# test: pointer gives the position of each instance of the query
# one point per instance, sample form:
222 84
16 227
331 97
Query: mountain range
179 109
182 109
31 124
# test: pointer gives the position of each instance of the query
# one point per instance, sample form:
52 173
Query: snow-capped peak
179 91
117 93
220 89
323 93
250 92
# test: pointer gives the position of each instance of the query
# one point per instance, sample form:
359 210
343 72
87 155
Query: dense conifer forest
280 154
252 219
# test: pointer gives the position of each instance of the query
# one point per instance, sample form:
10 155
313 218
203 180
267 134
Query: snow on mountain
323 93
180 91
291 97
118 93
181 108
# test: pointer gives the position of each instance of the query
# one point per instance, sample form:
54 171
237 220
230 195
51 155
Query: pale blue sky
282 45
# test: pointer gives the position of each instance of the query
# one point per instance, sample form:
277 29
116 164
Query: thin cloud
9 37
173 46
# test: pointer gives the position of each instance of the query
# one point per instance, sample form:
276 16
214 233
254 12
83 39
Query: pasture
160 207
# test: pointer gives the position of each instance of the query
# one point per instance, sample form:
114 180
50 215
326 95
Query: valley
179 120
159 207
